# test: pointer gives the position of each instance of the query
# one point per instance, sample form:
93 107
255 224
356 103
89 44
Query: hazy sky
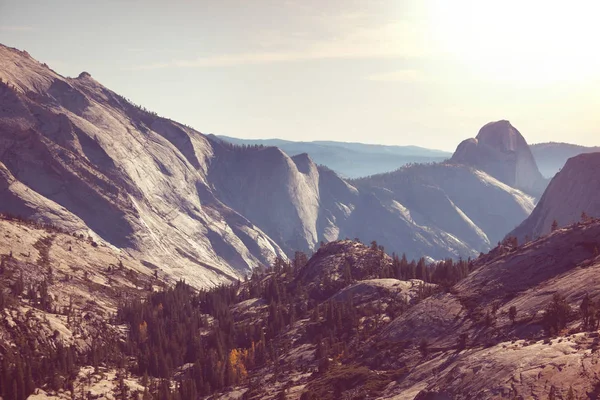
422 72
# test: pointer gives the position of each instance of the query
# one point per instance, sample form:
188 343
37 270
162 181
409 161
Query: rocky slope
75 154
551 157
457 343
454 204
462 343
500 150
340 325
59 295
572 192
295 202
500 358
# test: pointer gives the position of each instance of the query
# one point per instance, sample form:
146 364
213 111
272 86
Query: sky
404 72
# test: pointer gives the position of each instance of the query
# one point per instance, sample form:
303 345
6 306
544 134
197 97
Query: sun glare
521 40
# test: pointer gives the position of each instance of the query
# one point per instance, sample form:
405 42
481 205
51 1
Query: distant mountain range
357 160
551 157
351 160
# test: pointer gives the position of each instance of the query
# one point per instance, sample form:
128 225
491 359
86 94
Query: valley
141 258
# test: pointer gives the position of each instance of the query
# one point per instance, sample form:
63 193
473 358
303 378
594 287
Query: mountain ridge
351 160
209 211
571 195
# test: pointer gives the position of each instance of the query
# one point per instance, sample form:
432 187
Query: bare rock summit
501 151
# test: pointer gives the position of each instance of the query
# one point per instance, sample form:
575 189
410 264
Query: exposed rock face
78 155
503 359
500 150
456 205
574 190
296 203
371 290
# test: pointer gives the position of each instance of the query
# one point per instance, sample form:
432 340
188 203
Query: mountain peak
501 150
502 136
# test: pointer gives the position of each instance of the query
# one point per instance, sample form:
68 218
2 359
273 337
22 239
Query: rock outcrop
571 193
500 150
499 357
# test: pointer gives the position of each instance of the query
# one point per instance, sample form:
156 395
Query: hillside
397 337
59 295
551 157
541 351
77 155
451 344
351 160
571 195
460 201
350 321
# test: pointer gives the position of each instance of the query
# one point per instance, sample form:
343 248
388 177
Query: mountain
422 210
464 206
476 349
59 293
75 154
107 210
351 160
572 191
500 150
350 322
551 157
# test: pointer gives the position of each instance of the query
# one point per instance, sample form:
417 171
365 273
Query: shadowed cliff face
573 191
501 151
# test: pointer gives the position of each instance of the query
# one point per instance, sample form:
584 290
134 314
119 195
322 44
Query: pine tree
586 308
554 226
557 314
512 314
121 390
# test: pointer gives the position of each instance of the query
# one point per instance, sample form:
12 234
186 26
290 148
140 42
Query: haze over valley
336 201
